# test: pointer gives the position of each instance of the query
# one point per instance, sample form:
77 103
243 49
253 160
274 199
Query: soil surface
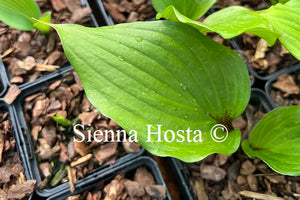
28 55
124 11
137 185
285 90
54 142
13 184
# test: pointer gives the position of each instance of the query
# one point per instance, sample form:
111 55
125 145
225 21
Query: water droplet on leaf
121 58
185 116
184 87
139 39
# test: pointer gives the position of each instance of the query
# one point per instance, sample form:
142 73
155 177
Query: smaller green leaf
19 13
281 21
276 140
42 27
62 120
193 9
235 20
268 24
173 14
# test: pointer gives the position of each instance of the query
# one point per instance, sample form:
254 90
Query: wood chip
87 117
11 95
1 145
262 47
144 177
239 123
247 168
259 195
53 57
134 189
21 191
212 172
49 134
35 132
73 5
46 169
252 181
105 152
114 190
16 80
54 106
28 63
7 52
54 85
81 160
286 84
198 185
131 147
40 107
276 179
58 5
81 15
46 68
156 191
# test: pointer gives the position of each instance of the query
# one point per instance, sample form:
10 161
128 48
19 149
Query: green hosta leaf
173 14
44 28
235 20
19 13
246 23
161 73
276 140
281 21
193 9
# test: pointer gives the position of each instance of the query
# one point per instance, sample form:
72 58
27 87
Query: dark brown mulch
29 55
13 184
285 90
124 11
137 185
239 177
54 142
263 59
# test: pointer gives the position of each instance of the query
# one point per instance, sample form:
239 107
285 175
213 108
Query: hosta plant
176 91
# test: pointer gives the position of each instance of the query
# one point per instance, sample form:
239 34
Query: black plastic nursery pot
102 17
25 133
4 84
180 169
93 23
107 175
19 142
293 70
